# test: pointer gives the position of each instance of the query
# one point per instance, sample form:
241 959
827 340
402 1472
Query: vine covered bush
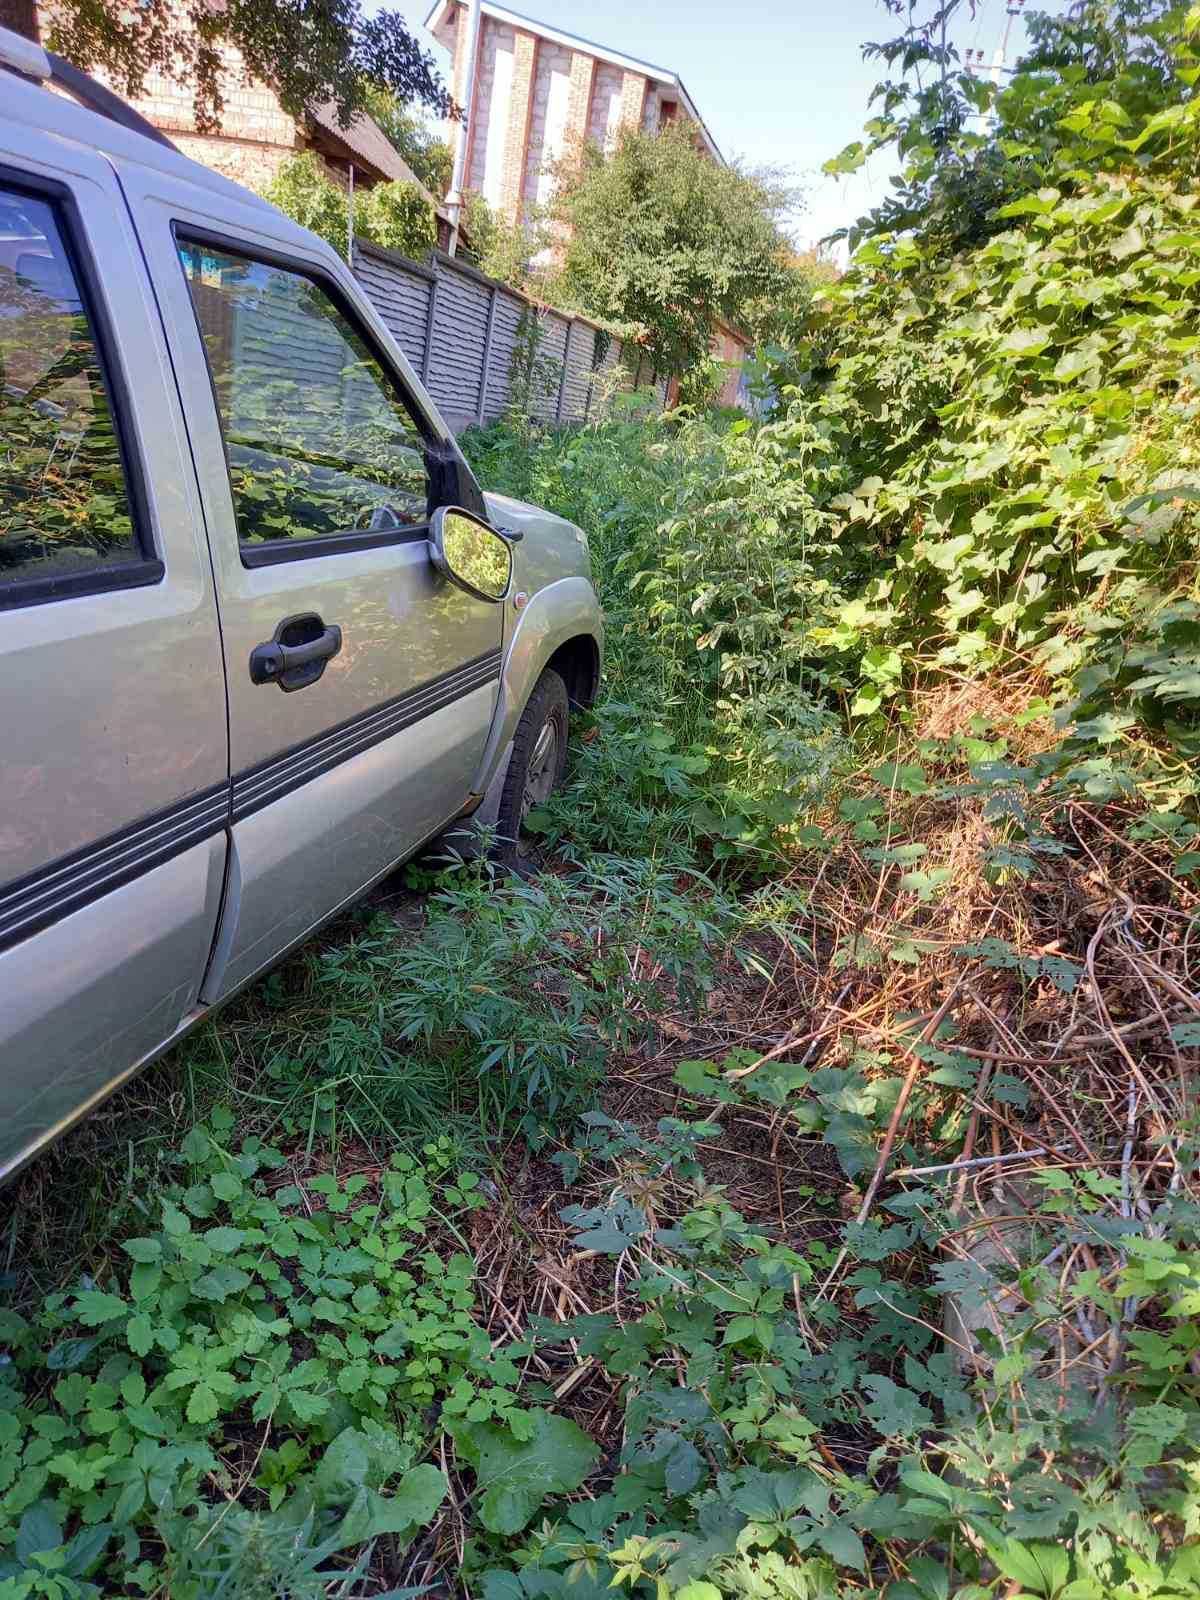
395 215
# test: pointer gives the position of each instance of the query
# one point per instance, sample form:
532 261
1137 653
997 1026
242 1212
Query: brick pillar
633 99
516 136
579 100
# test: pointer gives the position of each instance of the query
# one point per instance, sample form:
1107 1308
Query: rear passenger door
314 457
112 696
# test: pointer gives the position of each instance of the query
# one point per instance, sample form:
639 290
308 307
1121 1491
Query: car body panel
127 666
346 829
98 990
172 828
113 714
406 634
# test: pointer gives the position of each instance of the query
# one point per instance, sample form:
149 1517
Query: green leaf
202 1404
412 1506
1130 243
513 1476
144 1280
133 1389
143 1249
841 1542
225 1240
175 1222
39 1530
1025 341
893 1410
1187 1034
94 1308
70 1353
908 778
1041 1568
220 1283
226 1185
139 1334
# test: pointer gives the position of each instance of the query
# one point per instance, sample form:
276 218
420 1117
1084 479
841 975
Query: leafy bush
663 241
395 215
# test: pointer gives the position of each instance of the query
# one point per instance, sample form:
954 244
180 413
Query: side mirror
469 553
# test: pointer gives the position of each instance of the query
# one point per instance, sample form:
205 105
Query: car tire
535 768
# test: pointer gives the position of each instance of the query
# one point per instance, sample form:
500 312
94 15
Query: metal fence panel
504 340
581 350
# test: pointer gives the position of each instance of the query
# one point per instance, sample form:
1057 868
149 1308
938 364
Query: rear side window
65 513
320 442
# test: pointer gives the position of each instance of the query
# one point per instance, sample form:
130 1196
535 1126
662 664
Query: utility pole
454 200
1013 9
350 221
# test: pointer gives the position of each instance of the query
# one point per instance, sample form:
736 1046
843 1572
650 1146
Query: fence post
562 381
487 356
427 356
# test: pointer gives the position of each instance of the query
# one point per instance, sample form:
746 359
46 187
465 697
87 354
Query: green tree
308 51
395 215
665 242
429 155
501 248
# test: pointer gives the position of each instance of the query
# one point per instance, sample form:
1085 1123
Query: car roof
35 106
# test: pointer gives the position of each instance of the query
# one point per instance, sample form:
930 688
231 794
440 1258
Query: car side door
318 463
115 755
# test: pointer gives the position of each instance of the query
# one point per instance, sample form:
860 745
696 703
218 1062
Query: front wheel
536 767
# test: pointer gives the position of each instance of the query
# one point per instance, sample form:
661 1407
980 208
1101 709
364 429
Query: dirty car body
237 688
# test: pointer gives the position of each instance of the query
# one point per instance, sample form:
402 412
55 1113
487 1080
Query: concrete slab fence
459 328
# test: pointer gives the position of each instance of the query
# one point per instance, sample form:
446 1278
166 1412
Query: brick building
538 92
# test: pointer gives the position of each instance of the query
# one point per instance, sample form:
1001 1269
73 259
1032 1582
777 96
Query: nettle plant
316 1314
779 1442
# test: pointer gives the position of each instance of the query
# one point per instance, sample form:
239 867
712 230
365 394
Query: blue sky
779 84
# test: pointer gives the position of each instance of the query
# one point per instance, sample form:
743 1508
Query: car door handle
297 654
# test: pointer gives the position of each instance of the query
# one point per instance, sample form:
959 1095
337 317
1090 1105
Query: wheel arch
560 627
577 662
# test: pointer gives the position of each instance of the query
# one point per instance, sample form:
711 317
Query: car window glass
64 507
319 440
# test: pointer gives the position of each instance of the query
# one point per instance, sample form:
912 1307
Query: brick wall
516 139
489 115
534 100
255 133
579 98
633 99
253 165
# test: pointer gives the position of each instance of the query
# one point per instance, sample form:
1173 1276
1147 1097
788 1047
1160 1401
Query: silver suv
263 635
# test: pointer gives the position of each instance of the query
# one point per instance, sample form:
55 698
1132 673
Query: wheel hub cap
543 765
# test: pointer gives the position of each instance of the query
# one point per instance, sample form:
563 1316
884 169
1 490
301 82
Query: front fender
561 611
